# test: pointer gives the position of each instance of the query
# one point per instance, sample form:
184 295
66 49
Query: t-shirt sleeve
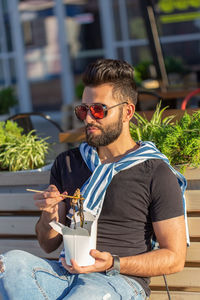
166 194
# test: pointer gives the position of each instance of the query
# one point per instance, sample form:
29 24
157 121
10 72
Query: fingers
97 254
51 191
49 199
74 268
103 261
52 188
45 204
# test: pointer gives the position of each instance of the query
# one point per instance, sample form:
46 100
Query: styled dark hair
117 73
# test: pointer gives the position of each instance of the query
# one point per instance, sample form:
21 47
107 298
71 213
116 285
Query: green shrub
8 99
179 141
20 151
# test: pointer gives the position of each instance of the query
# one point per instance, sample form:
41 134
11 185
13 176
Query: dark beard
108 134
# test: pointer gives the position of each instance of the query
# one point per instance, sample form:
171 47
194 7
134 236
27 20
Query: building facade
46 44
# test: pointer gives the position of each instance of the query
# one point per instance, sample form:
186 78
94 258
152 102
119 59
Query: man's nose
89 117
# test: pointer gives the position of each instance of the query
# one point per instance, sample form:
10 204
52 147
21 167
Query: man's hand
53 208
103 261
49 199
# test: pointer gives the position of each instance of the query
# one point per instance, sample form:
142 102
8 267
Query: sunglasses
97 110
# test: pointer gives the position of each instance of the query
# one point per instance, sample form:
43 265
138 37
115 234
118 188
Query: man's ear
129 111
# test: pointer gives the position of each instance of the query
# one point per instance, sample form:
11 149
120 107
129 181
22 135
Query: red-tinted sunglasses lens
81 112
97 111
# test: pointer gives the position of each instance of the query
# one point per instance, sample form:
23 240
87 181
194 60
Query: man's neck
116 150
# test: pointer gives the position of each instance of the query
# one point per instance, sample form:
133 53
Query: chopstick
66 196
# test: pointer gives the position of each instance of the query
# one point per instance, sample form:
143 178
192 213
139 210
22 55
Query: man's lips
91 129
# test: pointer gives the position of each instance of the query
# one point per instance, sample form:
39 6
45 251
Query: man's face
102 132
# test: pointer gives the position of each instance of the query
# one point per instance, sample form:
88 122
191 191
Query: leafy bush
20 151
8 99
79 90
179 141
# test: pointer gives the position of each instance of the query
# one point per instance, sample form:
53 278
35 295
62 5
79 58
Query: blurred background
45 46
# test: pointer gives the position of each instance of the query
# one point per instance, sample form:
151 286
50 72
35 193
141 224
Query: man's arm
170 258
50 202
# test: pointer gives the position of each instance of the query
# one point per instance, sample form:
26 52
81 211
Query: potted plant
23 159
8 100
20 151
179 141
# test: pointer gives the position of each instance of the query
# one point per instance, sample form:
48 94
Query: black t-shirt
136 197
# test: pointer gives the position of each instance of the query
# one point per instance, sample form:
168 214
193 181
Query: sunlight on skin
103 261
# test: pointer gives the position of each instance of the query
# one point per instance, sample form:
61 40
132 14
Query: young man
134 194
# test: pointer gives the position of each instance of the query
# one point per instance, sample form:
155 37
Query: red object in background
188 97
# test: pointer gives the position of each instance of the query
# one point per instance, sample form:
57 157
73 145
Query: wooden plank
193 200
18 225
192 173
193 253
17 202
24 178
193 184
189 277
194 226
31 246
162 295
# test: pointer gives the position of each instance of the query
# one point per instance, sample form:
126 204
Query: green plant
141 71
8 99
20 151
79 90
174 65
179 141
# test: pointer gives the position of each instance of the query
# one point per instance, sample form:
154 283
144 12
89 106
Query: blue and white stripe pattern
94 189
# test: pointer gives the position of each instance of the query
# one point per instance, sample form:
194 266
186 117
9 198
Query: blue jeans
24 276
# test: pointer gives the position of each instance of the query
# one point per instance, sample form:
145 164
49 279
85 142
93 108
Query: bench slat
193 253
18 225
192 173
31 246
189 277
174 295
193 200
24 178
194 226
17 202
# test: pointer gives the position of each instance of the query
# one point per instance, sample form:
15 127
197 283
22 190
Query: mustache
92 125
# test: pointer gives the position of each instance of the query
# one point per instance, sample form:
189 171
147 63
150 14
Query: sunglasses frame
104 107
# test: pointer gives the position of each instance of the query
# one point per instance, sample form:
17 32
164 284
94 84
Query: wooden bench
18 217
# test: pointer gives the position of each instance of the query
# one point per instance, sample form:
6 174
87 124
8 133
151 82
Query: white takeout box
78 242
